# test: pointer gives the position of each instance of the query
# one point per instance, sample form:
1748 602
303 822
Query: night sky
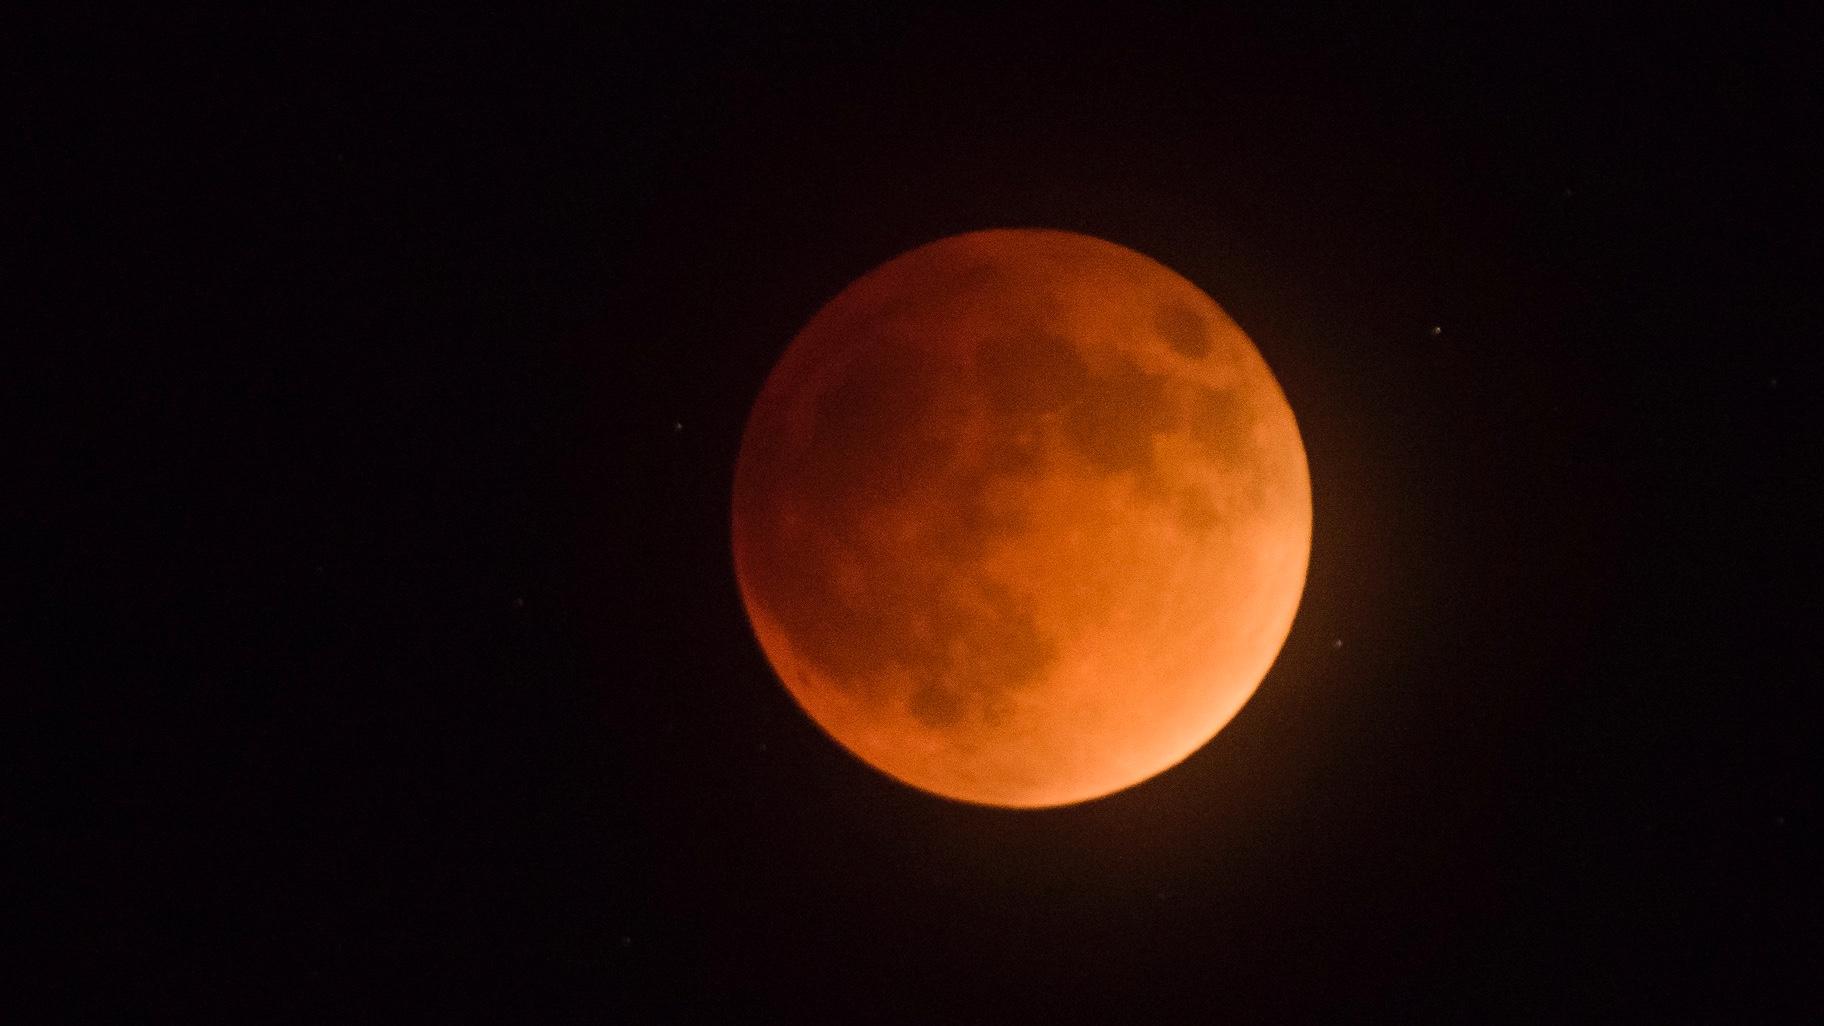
379 607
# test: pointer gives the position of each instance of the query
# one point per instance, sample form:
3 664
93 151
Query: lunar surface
1021 518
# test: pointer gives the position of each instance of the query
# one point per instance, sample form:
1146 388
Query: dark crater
1184 330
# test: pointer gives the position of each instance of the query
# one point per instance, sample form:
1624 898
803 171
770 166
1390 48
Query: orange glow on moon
1021 518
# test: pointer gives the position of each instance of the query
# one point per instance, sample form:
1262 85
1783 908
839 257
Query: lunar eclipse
1021 518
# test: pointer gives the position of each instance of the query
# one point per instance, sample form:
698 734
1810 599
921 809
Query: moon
1021 518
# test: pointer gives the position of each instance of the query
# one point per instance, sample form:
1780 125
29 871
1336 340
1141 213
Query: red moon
1021 518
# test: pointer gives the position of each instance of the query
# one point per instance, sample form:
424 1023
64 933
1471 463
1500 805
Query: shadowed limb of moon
1021 517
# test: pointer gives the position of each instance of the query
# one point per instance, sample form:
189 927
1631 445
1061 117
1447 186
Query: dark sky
380 586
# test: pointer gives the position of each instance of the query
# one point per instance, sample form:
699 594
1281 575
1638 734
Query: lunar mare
1021 517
